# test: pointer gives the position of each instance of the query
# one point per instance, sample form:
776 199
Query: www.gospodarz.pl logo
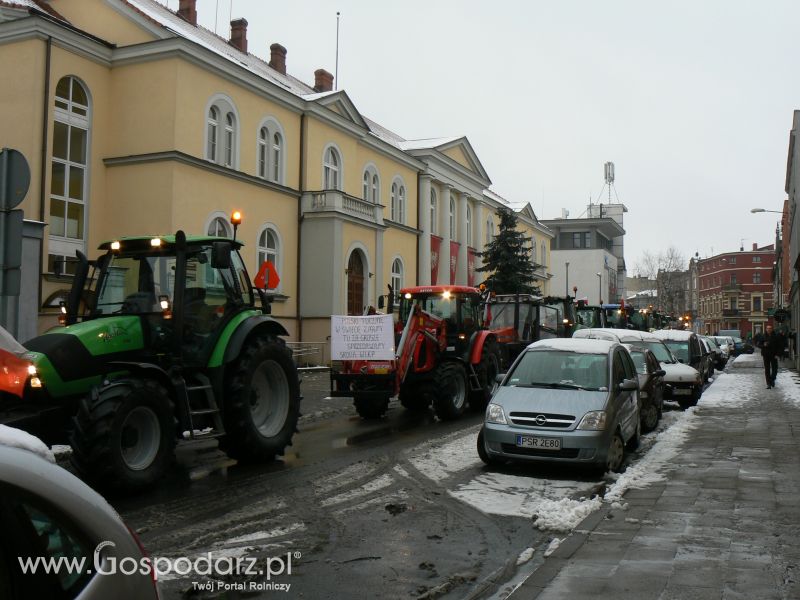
205 565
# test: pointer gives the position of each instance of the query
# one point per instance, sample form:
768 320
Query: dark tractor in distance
171 347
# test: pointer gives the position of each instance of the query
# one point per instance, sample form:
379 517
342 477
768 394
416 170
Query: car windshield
547 367
658 348
679 348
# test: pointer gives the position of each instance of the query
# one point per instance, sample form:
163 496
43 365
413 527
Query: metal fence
310 354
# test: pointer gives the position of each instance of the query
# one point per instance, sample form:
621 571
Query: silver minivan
572 401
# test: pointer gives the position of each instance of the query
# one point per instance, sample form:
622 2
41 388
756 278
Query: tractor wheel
263 402
450 394
370 408
486 370
416 398
124 436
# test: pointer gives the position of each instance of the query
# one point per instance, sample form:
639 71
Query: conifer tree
508 259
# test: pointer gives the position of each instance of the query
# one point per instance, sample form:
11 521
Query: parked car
741 346
651 386
47 512
718 355
681 382
725 345
708 359
685 345
570 401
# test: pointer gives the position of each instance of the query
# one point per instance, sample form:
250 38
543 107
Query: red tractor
444 357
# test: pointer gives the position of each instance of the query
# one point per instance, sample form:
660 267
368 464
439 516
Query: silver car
573 401
47 515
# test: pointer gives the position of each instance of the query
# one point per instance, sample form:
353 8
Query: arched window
69 173
434 213
355 283
270 154
452 218
398 202
489 230
365 186
331 169
533 250
268 247
219 227
469 225
222 132
397 275
371 185
544 254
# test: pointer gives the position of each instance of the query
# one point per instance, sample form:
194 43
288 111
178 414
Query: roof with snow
581 346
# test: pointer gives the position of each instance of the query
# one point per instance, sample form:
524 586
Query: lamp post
600 287
566 283
760 210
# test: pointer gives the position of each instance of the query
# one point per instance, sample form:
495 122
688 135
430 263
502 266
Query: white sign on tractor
370 337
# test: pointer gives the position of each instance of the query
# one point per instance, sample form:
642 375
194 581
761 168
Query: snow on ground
441 461
264 535
344 477
16 438
376 484
524 556
554 544
787 387
748 360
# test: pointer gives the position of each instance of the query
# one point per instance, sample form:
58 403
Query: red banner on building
436 245
454 246
470 266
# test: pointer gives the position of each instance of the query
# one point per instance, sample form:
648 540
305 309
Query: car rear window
679 348
560 369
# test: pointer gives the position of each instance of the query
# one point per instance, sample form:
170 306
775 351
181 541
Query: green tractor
170 347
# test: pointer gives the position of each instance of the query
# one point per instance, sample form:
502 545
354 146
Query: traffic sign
15 178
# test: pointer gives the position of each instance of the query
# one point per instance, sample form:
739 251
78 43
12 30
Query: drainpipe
43 166
300 184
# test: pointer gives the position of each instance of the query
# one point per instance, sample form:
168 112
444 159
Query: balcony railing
732 287
731 312
336 201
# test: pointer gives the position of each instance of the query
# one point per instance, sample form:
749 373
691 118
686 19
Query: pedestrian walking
772 347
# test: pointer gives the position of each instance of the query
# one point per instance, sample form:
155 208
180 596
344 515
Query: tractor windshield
460 312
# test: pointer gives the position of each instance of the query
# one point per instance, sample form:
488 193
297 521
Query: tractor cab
459 307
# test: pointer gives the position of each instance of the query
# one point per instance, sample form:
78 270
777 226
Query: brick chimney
323 81
239 34
755 246
277 58
188 11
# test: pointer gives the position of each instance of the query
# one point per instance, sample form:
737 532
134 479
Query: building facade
736 291
135 120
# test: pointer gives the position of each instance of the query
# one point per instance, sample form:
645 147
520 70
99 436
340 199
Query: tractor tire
416 398
370 409
450 392
262 403
124 436
486 370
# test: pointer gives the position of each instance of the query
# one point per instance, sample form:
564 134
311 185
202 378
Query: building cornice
186 159
407 228
39 27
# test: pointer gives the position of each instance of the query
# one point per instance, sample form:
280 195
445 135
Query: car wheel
650 416
615 454
633 442
482 453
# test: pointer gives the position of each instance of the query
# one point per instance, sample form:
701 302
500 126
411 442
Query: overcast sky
691 99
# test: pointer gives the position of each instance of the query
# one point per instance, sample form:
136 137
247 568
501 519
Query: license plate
538 443
380 370
682 391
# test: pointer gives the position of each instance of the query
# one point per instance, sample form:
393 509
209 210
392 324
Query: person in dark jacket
772 346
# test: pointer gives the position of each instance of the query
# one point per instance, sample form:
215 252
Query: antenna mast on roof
609 173
336 70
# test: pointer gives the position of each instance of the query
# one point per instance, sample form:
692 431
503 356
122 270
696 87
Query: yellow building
135 120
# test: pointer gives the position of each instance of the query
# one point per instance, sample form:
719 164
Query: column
477 237
424 224
461 219
444 229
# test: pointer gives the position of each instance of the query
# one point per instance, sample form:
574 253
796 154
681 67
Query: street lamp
600 287
566 284
760 210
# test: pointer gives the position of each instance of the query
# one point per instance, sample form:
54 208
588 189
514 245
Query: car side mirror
628 385
221 255
660 373
498 379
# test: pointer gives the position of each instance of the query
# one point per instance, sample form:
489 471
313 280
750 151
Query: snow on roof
677 335
34 4
379 131
608 333
201 36
582 346
492 195
16 438
427 143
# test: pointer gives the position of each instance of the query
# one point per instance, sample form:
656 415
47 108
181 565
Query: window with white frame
489 230
371 185
219 227
544 255
756 277
397 275
453 218
268 247
533 250
398 202
331 169
222 133
434 213
271 152
469 225
69 173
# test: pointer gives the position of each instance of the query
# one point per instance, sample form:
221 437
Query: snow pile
748 360
16 438
788 387
554 544
564 514
524 556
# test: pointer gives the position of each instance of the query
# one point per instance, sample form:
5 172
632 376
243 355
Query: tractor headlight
33 375
495 414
